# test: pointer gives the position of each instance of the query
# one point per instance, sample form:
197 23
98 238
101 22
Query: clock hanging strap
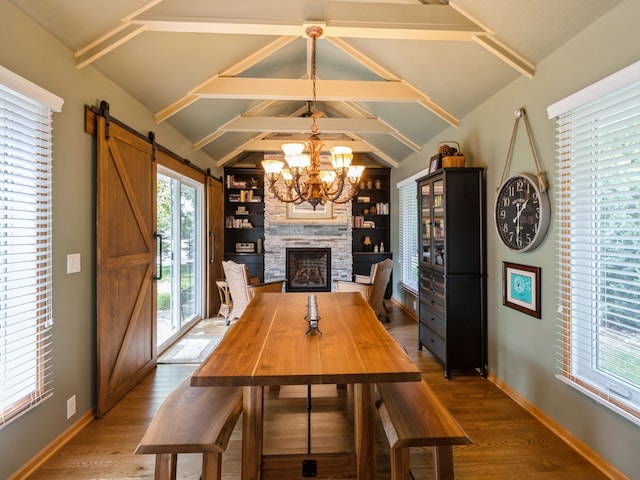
542 179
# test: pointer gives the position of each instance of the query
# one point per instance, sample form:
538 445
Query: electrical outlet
415 305
71 406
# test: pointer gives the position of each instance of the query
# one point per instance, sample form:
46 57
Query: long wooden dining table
269 346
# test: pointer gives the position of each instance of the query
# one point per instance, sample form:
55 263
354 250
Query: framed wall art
305 210
521 288
435 163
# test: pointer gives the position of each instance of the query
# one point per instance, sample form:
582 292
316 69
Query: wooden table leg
365 430
252 402
443 459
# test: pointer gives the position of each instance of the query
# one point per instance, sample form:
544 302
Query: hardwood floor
508 443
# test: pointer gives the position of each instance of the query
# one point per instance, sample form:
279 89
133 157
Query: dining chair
241 288
373 292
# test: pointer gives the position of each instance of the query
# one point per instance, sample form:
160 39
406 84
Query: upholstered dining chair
372 292
241 289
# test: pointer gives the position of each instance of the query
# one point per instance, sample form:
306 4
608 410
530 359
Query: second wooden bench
192 420
412 416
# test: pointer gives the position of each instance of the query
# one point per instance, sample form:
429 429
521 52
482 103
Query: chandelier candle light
304 179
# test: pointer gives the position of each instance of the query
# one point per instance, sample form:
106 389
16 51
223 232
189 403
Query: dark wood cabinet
370 210
452 285
244 218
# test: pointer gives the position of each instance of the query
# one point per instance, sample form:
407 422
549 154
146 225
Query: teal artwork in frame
521 288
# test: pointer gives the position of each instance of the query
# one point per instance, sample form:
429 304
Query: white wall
523 350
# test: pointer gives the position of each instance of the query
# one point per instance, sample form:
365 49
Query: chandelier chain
304 180
314 127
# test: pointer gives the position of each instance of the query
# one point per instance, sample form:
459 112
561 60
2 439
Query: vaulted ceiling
233 75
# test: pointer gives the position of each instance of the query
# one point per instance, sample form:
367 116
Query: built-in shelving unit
244 218
370 210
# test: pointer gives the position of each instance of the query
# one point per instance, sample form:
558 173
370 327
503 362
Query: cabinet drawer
433 343
432 287
371 258
432 303
433 319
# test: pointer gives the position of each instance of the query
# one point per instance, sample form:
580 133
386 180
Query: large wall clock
521 213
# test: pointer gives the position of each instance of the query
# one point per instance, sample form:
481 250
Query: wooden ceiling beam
236 69
114 38
105 44
339 19
492 44
382 72
274 145
388 32
507 55
363 59
299 90
303 125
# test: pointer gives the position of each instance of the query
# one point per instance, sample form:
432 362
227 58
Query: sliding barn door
215 244
126 212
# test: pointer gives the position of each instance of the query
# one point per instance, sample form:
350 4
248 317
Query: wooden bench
192 420
412 416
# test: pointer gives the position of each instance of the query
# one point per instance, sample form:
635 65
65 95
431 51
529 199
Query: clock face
521 213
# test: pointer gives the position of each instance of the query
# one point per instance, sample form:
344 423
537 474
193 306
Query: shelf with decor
370 237
244 218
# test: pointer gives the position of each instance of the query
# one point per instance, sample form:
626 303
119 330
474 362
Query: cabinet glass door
426 234
437 223
432 230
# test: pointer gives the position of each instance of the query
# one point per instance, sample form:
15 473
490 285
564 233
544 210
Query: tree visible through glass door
179 223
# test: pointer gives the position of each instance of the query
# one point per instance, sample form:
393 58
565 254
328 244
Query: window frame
581 227
25 142
408 223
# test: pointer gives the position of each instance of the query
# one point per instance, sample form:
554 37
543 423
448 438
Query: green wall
523 350
29 51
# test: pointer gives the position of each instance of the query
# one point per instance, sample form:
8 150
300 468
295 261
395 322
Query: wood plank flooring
508 443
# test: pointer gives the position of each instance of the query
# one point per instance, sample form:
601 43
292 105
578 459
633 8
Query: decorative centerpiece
313 317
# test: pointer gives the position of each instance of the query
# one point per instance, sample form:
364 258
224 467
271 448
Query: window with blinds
25 245
598 220
408 230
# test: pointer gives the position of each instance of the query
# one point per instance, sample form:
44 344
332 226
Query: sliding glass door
179 227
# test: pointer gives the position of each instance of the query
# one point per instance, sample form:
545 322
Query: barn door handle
156 235
212 253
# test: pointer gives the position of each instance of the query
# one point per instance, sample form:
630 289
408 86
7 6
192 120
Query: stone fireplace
282 233
308 269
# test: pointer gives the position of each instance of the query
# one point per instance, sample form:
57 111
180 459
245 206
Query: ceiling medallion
304 179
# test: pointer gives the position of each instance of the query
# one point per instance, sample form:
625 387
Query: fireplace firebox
308 269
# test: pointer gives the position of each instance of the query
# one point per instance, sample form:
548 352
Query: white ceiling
391 74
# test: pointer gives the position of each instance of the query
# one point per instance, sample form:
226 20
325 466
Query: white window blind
25 246
598 218
408 230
